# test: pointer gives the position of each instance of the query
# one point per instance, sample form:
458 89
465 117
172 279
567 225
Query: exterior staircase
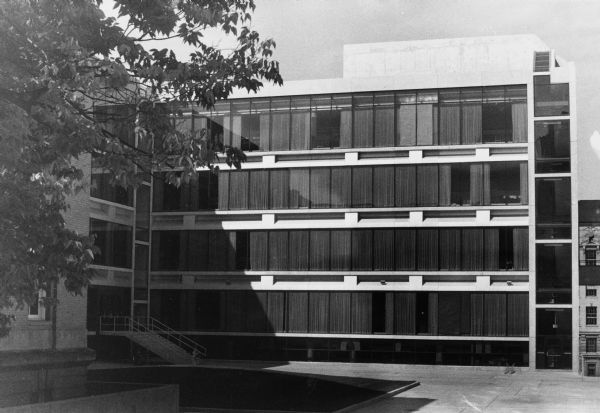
151 334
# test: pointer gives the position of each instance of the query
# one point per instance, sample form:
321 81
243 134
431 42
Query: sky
310 35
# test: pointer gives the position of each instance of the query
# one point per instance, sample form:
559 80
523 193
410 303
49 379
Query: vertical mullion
352 120
395 130
460 117
372 121
507 110
310 133
416 118
310 172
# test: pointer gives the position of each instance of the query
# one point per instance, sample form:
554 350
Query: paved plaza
462 389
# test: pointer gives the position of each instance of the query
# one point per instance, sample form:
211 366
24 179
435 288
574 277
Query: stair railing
151 325
181 340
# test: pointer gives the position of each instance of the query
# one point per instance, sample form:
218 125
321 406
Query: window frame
591 348
591 315
40 314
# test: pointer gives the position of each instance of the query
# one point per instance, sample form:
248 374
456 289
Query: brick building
37 361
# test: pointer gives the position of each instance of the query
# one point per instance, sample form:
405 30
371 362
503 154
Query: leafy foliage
73 81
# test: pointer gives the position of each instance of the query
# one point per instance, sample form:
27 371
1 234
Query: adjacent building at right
589 284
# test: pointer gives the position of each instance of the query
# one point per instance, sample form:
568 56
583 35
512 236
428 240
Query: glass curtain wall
466 249
428 185
462 116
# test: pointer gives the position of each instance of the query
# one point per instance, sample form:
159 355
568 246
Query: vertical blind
361 313
341 312
450 249
383 249
341 187
427 194
383 187
279 186
259 189
318 315
320 187
319 250
380 119
384 121
297 309
427 185
425 249
298 252
362 187
299 188
340 316
405 313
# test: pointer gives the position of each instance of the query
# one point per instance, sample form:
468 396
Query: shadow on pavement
202 387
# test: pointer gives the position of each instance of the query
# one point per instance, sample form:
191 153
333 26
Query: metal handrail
151 325
184 341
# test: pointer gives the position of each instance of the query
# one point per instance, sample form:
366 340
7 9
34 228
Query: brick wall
28 334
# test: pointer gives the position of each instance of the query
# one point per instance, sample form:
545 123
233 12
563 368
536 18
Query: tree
70 78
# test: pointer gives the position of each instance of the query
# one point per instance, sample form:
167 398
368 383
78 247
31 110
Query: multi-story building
589 284
420 209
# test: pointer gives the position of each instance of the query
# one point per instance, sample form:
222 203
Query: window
553 273
165 250
554 341
325 124
506 248
591 315
505 183
217 124
591 344
590 292
140 279
427 117
470 102
245 125
460 178
384 119
280 124
553 208
37 311
142 213
242 250
300 138
449 118
342 105
363 120
256 128
118 120
516 101
495 115
102 188
406 115
379 312
550 99
199 193
114 242
552 146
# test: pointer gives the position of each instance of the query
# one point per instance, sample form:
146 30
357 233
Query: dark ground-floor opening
360 350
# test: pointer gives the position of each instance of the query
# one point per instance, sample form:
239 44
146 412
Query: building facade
45 356
589 284
420 209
